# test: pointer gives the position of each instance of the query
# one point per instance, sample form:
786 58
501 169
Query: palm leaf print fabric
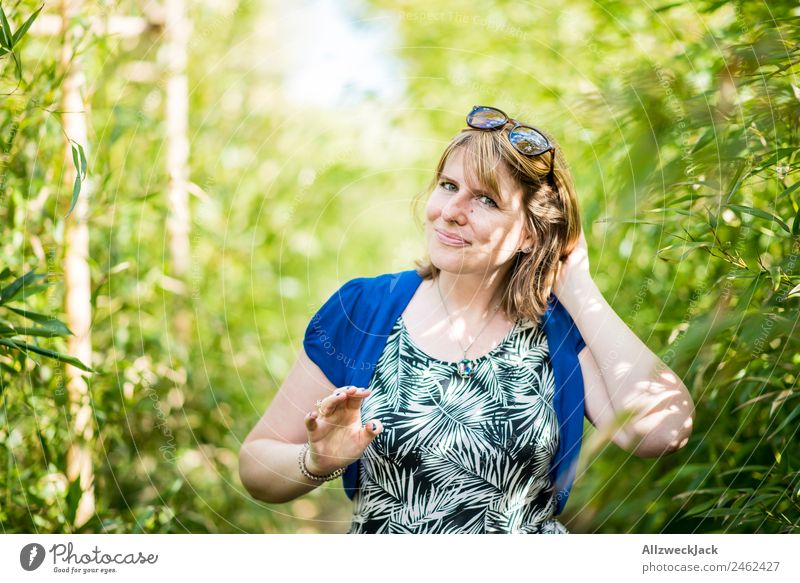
460 455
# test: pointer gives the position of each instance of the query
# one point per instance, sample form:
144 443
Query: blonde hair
550 205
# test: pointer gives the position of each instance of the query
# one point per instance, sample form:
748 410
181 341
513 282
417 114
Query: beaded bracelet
301 460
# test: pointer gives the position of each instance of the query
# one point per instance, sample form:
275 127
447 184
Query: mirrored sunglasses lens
486 118
529 141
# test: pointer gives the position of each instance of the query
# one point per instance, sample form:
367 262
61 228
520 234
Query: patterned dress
460 455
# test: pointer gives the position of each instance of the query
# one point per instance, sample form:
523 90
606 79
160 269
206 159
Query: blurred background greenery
311 127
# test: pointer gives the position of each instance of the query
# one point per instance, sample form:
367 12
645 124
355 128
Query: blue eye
491 201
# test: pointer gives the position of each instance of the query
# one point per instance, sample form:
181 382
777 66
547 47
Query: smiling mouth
449 239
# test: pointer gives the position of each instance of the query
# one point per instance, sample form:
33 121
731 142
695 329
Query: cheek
513 236
433 209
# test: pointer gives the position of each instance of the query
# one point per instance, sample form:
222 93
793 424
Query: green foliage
79 160
9 40
33 439
12 336
721 190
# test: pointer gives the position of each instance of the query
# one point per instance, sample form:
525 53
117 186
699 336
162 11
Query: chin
452 261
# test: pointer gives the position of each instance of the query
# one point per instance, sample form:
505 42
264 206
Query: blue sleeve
573 334
326 340
580 344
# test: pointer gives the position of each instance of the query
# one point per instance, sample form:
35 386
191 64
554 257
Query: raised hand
336 435
574 269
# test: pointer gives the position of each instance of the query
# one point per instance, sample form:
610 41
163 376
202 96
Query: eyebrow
498 196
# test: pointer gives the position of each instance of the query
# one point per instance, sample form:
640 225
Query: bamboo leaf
11 291
76 190
75 161
745 469
783 396
790 189
624 221
31 290
6 330
776 156
775 275
24 346
671 210
755 400
785 422
79 161
667 7
5 31
83 161
17 64
759 213
47 321
694 510
74 493
737 179
704 139
689 247
24 28
720 513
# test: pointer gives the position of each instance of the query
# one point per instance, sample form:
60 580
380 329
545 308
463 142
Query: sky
338 53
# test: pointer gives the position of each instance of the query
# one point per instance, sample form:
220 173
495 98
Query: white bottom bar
378 559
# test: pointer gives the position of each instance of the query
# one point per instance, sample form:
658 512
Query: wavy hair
551 213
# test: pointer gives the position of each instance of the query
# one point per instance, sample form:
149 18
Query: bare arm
268 469
268 464
268 458
605 416
622 376
632 380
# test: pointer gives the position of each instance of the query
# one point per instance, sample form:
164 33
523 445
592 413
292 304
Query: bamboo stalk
176 33
77 278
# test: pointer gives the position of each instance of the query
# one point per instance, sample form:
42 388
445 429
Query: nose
456 208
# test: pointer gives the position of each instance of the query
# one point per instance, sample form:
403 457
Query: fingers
330 403
373 428
311 421
351 396
356 397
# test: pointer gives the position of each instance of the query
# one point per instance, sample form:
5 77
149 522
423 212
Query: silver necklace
465 366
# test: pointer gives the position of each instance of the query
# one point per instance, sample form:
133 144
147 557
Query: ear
525 240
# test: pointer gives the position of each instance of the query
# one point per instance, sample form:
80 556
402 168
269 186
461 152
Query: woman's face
490 229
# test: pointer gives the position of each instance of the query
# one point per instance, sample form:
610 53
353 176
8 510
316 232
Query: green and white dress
460 455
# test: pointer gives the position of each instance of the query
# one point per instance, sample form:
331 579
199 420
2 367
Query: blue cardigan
346 337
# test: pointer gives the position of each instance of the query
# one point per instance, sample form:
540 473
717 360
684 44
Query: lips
450 238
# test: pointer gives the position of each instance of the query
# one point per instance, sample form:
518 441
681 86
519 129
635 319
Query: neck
470 293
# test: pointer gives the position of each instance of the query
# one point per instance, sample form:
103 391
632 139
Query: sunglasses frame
517 125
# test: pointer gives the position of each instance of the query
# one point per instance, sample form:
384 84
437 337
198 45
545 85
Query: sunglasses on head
527 140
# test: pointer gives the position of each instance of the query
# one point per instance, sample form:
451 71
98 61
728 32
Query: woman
451 398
